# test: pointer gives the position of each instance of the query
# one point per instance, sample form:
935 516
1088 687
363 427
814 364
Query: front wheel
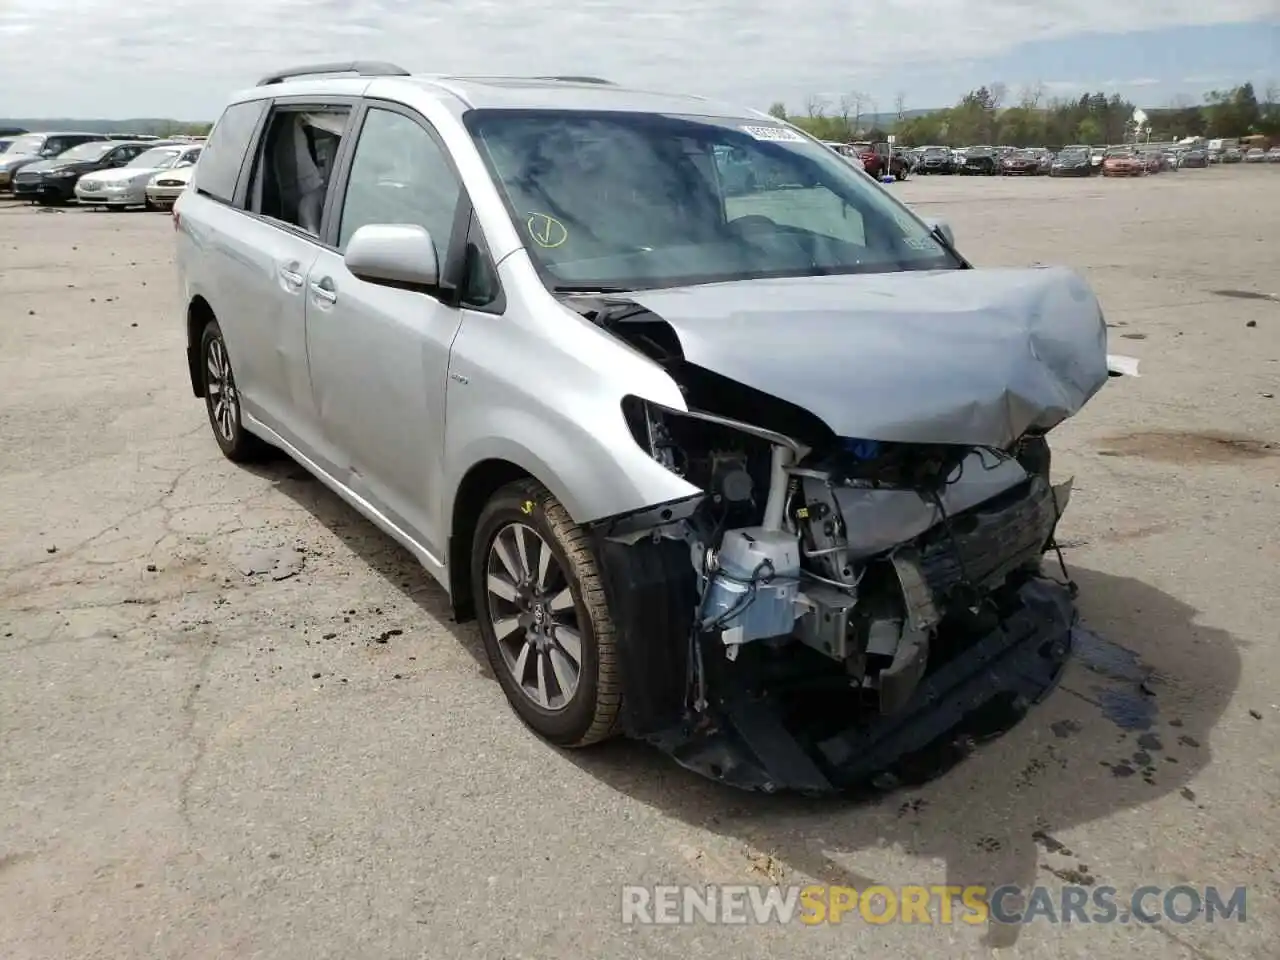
544 617
222 400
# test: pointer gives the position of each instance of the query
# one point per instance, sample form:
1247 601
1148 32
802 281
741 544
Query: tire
218 382
570 598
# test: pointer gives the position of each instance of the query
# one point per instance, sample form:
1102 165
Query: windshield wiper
587 288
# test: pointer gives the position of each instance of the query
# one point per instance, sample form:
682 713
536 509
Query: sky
181 58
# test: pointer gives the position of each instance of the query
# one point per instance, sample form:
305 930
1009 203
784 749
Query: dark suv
30 148
935 160
54 181
981 160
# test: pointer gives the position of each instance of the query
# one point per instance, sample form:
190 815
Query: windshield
612 200
88 151
156 158
28 144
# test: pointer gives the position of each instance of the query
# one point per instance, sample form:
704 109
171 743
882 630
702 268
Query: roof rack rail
363 68
608 83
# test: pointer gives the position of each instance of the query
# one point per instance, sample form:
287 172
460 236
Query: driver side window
399 174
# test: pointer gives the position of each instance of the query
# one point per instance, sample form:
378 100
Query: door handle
291 277
326 293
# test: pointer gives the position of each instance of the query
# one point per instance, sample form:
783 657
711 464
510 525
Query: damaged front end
808 631
829 606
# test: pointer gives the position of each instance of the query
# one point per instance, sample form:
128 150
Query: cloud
1068 86
183 57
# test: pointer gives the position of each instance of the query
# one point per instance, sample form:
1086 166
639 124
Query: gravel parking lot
235 720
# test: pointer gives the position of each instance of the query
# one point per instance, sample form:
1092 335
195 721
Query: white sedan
166 186
127 186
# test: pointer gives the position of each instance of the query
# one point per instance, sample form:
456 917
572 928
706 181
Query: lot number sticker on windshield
781 134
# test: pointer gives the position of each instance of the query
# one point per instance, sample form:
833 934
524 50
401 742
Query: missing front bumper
752 742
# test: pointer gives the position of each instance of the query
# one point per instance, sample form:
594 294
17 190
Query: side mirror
394 255
942 227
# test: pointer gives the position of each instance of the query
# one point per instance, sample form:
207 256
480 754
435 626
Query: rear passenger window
224 151
296 164
399 174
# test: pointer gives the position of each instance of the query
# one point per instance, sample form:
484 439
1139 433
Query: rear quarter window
224 151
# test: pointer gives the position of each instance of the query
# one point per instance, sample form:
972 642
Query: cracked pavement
236 720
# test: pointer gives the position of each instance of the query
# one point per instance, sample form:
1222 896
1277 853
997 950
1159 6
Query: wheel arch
478 485
199 316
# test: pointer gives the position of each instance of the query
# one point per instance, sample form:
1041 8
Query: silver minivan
722 445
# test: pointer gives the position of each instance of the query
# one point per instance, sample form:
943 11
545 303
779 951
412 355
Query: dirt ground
236 722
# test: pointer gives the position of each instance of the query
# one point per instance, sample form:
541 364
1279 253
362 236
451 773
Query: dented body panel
957 356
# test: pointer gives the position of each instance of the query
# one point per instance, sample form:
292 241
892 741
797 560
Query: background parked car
877 159
1232 155
1273 155
935 160
1195 157
1123 163
31 148
1072 163
127 186
980 160
1256 155
54 181
1020 163
1044 159
167 185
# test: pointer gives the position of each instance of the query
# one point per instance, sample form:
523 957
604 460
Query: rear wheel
544 617
222 400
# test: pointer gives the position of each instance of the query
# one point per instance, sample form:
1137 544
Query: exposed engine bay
830 604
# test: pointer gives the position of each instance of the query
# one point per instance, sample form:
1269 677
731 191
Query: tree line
989 115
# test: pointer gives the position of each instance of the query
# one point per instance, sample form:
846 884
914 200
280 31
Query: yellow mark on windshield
546 230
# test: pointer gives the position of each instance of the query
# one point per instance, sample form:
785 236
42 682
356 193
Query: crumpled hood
974 357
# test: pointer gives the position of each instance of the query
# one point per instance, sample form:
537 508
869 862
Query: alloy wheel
534 617
220 386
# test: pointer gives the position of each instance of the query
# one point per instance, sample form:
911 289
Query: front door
379 356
